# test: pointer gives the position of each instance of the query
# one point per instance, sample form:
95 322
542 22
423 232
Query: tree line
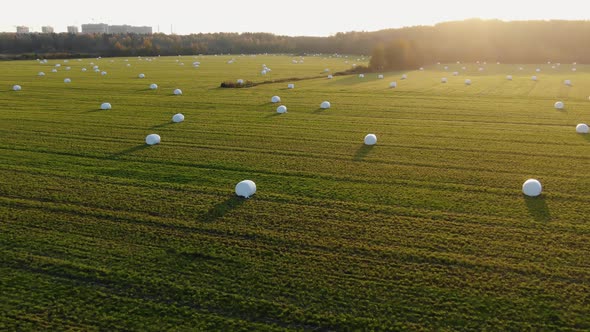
466 41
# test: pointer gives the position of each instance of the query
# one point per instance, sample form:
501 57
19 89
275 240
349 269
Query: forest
466 41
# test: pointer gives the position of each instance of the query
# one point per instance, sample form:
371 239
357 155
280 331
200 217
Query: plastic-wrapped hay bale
246 188
582 128
404 76
240 81
370 139
534 78
380 76
443 80
177 92
142 75
361 75
67 80
467 82
178 118
509 77
105 106
567 82
275 99
393 85
16 87
532 188
559 105
153 86
41 73
282 109
325 105
291 86
152 139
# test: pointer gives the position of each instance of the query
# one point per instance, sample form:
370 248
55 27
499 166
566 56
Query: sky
293 18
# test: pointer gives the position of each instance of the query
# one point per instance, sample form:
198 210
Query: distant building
47 29
73 29
115 29
22 29
145 30
95 28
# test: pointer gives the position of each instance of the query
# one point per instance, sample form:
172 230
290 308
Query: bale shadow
220 209
162 125
585 136
274 114
319 110
362 152
128 151
538 208
94 110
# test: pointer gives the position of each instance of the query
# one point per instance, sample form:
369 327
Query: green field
427 230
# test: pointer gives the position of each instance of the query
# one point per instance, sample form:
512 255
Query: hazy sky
294 17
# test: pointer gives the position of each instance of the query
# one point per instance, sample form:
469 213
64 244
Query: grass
427 230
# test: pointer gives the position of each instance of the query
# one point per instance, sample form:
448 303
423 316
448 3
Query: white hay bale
153 86
404 76
128 65
54 70
532 188
446 67
330 77
142 75
327 70
421 68
393 85
177 92
582 128
291 86
325 105
68 68
178 118
361 75
263 72
105 106
380 76
534 78
95 67
84 69
467 81
246 188
103 73
67 80
559 105
282 109
275 99
152 139
538 70
567 82
370 139
40 73
455 73
16 87
574 69
509 77
443 80
240 81
58 65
